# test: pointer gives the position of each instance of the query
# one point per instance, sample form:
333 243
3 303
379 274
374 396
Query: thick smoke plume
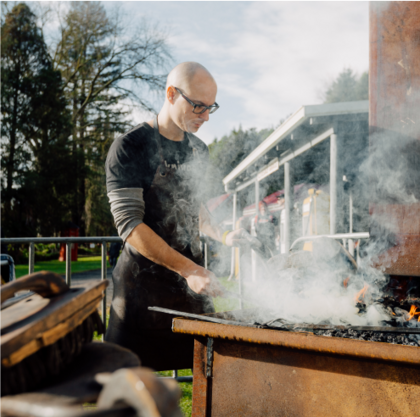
322 286
319 286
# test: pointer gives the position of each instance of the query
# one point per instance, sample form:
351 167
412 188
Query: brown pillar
394 121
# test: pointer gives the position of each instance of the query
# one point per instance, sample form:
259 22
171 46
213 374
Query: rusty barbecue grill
242 369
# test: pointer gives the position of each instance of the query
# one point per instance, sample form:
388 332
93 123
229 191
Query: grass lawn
83 264
185 402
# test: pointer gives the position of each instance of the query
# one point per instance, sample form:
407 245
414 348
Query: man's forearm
154 248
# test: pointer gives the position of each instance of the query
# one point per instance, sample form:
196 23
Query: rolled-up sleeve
127 207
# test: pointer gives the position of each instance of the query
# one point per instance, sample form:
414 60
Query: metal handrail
358 235
68 241
93 239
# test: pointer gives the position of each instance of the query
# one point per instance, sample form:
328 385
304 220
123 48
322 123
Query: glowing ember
413 312
361 294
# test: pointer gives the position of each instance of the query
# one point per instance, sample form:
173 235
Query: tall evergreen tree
348 87
34 131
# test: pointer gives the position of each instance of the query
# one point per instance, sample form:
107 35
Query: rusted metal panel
259 372
199 403
395 66
394 115
302 341
252 380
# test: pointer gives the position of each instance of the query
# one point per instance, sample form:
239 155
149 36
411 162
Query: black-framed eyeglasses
199 108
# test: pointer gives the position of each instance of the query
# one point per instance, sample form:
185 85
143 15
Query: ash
394 338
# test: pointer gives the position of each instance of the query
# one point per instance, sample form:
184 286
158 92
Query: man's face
201 90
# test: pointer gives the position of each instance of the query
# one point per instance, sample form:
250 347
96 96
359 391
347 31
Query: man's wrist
188 268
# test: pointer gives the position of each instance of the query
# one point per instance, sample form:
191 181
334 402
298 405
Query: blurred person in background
156 187
265 227
114 253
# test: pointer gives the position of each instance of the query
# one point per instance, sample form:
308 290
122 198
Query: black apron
172 211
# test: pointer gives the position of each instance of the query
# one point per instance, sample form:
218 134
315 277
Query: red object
272 198
262 204
70 232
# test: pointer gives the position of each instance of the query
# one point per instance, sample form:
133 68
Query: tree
34 131
348 87
99 219
230 151
103 67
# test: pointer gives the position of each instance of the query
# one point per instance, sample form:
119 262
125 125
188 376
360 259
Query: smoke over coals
319 287
322 285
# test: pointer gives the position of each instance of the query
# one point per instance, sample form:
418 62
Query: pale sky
268 58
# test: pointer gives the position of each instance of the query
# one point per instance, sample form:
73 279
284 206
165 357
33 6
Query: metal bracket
209 366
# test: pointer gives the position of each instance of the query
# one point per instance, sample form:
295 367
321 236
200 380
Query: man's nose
206 115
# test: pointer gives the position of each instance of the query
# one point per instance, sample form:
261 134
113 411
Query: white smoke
317 287
308 287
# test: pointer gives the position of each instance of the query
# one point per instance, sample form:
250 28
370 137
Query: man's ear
170 94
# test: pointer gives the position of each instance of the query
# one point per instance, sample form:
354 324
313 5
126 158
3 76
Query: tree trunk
75 173
12 150
82 169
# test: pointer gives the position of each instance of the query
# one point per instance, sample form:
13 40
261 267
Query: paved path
81 277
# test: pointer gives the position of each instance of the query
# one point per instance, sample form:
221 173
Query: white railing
338 236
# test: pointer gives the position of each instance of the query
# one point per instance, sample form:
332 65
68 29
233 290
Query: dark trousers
158 349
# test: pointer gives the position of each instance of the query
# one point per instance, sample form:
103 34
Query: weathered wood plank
52 335
22 309
43 283
60 308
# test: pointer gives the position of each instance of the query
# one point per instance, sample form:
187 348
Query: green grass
186 387
88 263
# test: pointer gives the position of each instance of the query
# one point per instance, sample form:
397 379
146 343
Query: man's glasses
199 108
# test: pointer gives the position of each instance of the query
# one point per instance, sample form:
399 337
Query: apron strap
159 141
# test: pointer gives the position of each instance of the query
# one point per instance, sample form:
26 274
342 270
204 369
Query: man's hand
202 281
241 238
153 247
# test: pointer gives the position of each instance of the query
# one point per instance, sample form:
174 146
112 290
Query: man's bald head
183 75
188 85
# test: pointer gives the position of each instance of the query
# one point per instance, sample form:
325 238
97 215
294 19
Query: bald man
155 175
